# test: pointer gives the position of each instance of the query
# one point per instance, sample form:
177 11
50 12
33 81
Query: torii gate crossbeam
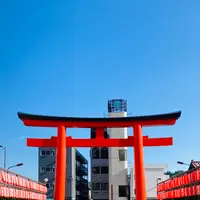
62 141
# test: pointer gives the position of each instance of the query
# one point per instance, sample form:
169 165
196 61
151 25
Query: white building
109 167
118 164
154 174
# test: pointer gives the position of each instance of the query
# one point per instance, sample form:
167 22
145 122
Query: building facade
99 170
109 167
76 176
154 174
118 163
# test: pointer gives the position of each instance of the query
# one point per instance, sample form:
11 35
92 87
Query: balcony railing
79 156
81 170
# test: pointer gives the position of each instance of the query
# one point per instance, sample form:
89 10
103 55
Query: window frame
41 153
52 152
125 193
49 152
95 188
104 151
93 153
98 167
124 155
104 188
42 167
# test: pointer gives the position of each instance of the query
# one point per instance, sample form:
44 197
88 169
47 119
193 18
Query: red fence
16 186
184 185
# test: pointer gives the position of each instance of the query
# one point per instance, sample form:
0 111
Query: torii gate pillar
139 163
59 192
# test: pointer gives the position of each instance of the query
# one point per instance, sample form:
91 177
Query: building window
42 152
48 153
53 152
42 169
104 153
48 169
47 185
104 169
52 185
104 186
96 170
122 154
95 153
123 191
96 186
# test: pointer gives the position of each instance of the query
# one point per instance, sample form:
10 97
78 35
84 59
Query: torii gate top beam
75 122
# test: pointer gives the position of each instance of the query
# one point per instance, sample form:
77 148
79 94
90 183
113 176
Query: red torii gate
61 141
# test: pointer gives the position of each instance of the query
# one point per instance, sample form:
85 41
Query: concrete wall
71 173
95 178
153 174
118 170
99 178
50 161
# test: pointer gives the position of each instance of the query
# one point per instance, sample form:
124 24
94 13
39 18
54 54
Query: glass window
47 185
96 186
122 154
104 169
123 191
53 169
104 186
104 153
52 185
42 153
95 153
48 169
53 152
48 152
96 170
42 169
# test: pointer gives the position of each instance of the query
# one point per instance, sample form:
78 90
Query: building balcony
81 170
82 182
81 158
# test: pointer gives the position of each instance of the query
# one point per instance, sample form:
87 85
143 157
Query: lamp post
182 163
17 165
4 149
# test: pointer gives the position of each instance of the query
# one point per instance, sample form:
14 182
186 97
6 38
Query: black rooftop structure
26 116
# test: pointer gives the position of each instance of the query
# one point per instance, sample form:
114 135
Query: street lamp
17 165
4 149
182 163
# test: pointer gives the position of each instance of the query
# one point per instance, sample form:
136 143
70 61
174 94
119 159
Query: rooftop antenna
105 115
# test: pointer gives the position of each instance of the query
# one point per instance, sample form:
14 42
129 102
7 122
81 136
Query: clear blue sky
69 57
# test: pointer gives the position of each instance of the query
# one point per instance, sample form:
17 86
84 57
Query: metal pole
4 158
